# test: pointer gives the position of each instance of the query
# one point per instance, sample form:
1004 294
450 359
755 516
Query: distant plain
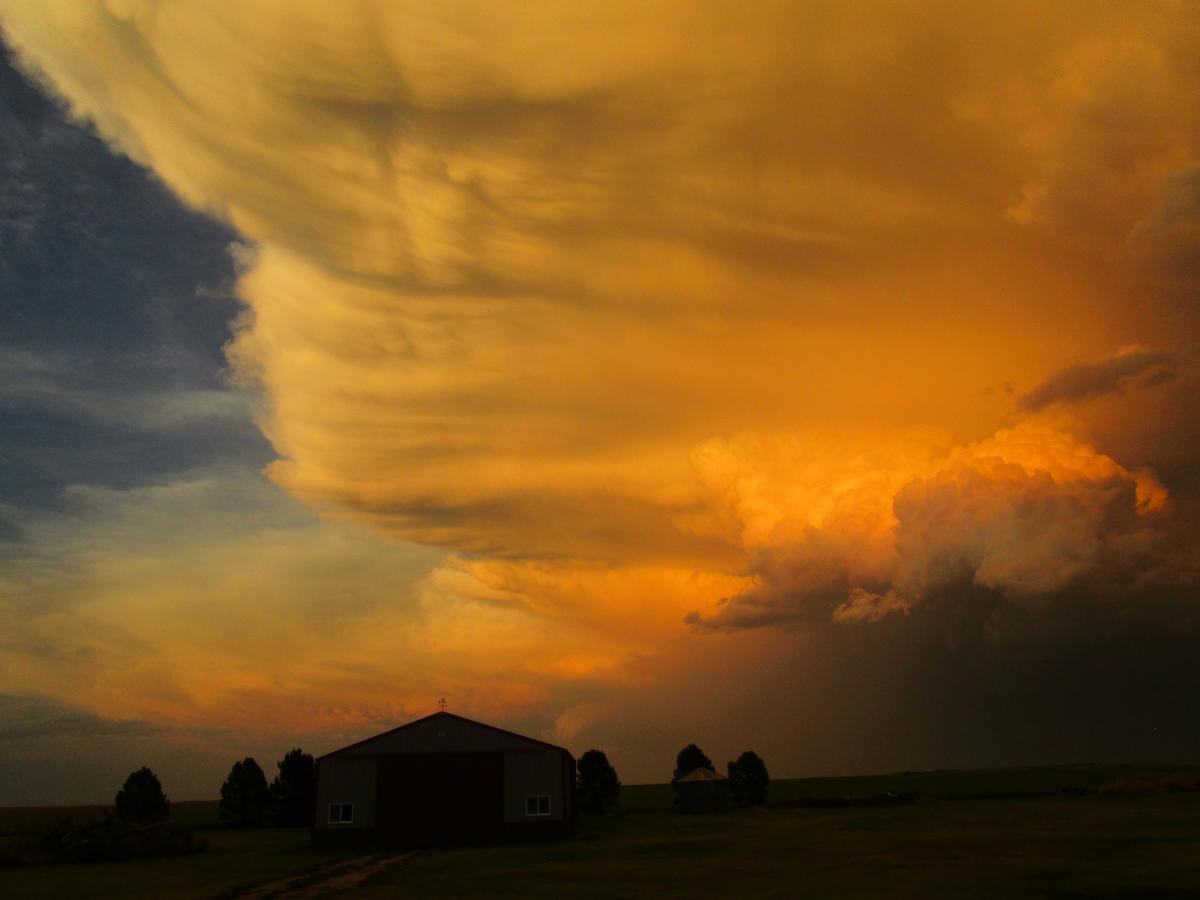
1025 832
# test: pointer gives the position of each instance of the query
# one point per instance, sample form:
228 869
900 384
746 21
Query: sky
821 382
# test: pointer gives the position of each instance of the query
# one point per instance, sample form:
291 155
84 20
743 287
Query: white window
537 804
341 813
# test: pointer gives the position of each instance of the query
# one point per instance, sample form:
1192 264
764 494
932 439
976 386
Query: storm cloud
599 348
1084 381
28 717
1027 513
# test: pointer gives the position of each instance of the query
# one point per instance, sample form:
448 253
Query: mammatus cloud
1084 381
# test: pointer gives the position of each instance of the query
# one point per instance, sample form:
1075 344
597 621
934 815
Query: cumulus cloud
1026 513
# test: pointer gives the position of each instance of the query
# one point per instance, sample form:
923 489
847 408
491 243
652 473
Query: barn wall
533 772
568 774
347 780
703 796
437 734
443 780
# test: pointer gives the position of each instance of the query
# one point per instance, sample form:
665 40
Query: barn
443 779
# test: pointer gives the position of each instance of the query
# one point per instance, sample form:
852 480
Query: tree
244 794
598 781
690 759
141 799
748 779
292 790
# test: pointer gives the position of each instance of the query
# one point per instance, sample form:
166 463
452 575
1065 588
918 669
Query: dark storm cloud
25 717
62 753
1026 618
973 678
1095 379
757 261
797 585
115 308
966 679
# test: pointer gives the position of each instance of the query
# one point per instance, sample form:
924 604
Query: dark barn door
440 798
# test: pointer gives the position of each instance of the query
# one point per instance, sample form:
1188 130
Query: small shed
703 790
443 779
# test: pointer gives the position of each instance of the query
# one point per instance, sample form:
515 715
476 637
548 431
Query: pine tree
244 794
141 799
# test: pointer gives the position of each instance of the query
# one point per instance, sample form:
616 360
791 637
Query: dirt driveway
337 880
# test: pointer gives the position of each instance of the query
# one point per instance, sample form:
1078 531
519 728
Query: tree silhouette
597 781
690 759
244 794
748 779
141 799
292 790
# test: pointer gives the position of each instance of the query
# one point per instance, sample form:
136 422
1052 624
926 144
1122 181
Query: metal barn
443 779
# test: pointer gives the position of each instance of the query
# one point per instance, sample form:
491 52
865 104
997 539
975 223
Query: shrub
117 839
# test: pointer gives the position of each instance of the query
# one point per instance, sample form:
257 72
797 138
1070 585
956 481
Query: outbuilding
443 779
703 790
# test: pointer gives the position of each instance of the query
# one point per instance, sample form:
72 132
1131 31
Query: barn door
439 798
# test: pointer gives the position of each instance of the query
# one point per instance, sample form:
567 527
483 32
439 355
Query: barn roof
701 774
437 716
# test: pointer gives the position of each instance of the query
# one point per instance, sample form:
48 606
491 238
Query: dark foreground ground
1049 834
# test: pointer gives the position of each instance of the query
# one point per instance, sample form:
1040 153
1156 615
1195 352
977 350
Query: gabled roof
444 716
701 774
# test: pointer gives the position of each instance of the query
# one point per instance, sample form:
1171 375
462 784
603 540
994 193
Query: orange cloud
624 311
1029 511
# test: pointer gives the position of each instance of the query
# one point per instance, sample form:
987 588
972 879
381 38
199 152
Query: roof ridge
441 713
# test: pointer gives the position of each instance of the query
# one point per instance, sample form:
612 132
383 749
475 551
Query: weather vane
442 704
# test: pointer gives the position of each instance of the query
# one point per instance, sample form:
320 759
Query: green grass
1054 836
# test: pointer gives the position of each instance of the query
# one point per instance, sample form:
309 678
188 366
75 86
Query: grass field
1024 781
234 858
1010 833
1059 847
